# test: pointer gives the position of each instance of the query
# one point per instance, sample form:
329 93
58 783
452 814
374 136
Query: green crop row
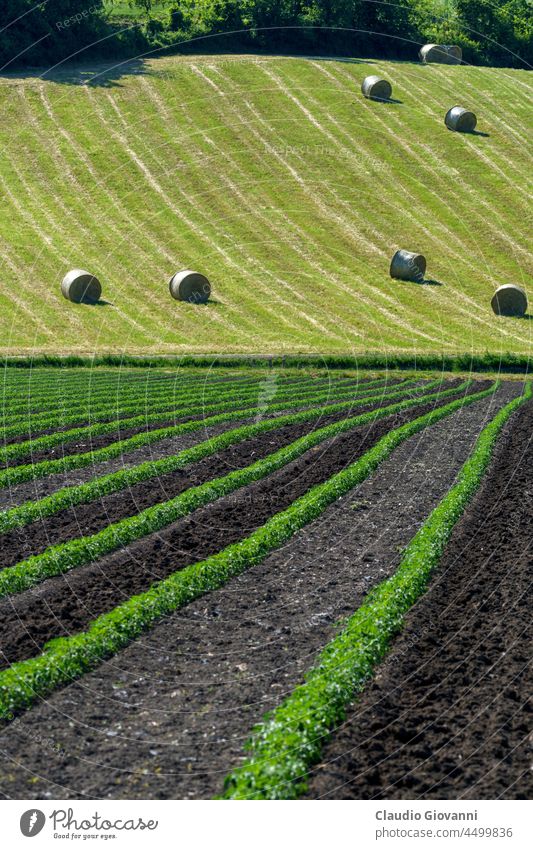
115 408
18 450
26 397
290 739
69 496
169 387
31 471
58 559
95 404
67 658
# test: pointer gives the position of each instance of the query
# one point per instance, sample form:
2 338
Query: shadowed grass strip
290 739
462 362
67 658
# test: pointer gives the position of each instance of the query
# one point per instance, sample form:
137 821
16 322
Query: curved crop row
31 471
55 395
116 408
79 381
42 443
67 658
105 399
290 738
94 405
42 385
61 558
69 496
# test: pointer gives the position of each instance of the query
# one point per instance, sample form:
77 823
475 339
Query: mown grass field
277 179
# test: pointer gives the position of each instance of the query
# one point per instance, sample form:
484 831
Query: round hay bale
443 54
80 287
406 265
190 286
509 300
376 89
460 120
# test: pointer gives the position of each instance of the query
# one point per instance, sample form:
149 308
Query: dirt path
168 716
449 714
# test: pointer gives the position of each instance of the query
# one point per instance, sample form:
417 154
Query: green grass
275 177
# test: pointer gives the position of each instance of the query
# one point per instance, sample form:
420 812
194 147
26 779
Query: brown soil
67 604
168 716
449 714
85 519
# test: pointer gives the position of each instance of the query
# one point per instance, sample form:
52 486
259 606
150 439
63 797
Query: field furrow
218 664
101 434
467 686
156 523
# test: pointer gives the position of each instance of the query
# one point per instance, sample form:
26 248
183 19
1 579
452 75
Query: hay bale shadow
392 100
99 303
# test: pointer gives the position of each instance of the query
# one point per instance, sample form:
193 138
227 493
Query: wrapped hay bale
190 286
460 120
443 54
509 300
376 89
80 287
406 265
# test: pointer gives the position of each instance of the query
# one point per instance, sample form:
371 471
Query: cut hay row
396 129
287 231
217 188
168 413
66 556
490 221
78 190
290 740
279 231
331 209
347 141
104 485
186 212
65 659
76 219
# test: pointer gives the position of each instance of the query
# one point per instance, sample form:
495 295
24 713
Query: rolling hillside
277 179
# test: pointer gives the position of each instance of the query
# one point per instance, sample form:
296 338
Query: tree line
489 31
